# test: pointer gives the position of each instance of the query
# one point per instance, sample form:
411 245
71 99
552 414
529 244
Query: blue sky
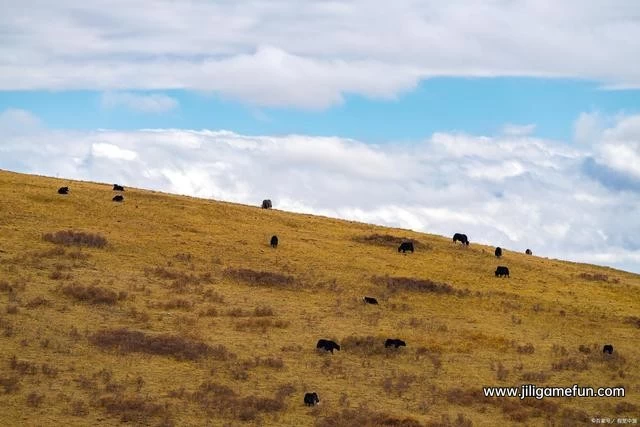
516 122
474 105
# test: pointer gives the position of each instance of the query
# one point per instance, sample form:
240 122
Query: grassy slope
456 342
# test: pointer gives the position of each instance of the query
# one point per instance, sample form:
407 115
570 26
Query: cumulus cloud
144 103
515 191
513 129
15 121
310 53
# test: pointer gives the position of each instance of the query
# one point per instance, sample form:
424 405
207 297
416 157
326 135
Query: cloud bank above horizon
576 202
307 53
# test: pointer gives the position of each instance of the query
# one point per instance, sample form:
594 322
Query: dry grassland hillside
170 310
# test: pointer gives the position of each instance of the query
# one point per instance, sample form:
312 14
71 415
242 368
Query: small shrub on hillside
24 367
76 238
445 421
136 408
10 384
12 309
34 399
263 311
570 364
50 253
213 296
79 409
633 320
260 278
183 257
364 417
395 284
285 390
49 371
367 345
91 294
525 349
534 377
38 302
597 277
178 347
398 384
221 400
626 408
389 240
209 312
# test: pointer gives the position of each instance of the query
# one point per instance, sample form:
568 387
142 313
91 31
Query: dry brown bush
260 278
213 296
92 294
364 417
34 399
11 384
633 320
37 302
398 384
534 377
367 345
445 421
263 311
389 240
178 347
76 238
626 408
597 277
24 367
79 408
525 349
570 364
49 371
134 408
395 284
180 281
222 401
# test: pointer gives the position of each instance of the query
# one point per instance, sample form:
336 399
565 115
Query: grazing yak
608 348
370 300
394 342
311 399
118 198
462 238
528 252
117 187
63 190
274 241
266 204
502 271
327 345
405 246
498 252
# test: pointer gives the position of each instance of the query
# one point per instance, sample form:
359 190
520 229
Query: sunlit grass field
184 315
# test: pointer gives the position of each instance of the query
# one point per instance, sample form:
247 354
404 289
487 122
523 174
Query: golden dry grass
188 317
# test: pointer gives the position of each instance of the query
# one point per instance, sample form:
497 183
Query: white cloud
308 53
518 130
588 127
111 151
151 103
514 191
619 147
15 121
